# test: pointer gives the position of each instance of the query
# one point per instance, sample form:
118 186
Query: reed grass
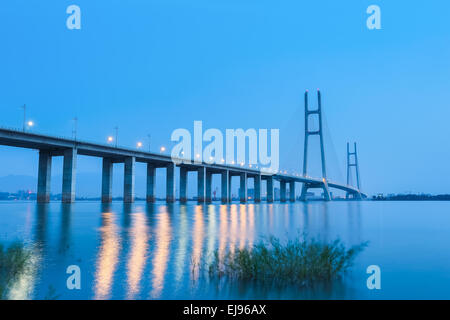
14 262
301 261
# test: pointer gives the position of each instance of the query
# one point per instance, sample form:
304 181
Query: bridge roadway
50 146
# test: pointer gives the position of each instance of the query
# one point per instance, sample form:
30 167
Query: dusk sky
151 67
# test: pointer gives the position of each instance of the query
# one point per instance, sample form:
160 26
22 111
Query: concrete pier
208 187
170 182
270 189
183 184
128 180
243 187
44 175
326 191
224 186
151 171
292 191
282 190
69 174
201 177
257 188
230 179
107 175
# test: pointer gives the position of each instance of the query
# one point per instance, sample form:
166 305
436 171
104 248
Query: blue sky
154 66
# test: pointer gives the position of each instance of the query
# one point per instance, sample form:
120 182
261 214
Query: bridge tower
350 164
322 184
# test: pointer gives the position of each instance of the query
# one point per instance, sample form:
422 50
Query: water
142 251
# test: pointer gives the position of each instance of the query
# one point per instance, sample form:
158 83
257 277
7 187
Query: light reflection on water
159 251
160 259
139 235
108 256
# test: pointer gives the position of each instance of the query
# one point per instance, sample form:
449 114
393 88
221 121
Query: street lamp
74 128
116 128
24 116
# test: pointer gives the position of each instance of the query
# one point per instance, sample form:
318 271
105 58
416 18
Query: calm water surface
142 251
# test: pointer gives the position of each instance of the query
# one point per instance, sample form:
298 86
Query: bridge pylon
322 184
354 164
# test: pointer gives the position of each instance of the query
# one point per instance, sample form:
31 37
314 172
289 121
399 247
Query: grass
301 261
14 262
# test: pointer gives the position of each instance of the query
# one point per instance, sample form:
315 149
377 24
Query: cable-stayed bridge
53 146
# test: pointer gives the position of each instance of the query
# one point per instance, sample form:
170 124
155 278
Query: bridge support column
201 176
69 174
170 183
326 192
292 191
107 174
282 191
304 192
355 196
224 186
183 184
308 133
151 171
44 175
269 189
128 181
208 187
243 187
323 186
353 164
257 188
230 195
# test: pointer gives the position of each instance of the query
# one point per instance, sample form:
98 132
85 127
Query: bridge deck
57 145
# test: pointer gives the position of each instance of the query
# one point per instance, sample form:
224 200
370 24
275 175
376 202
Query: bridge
52 146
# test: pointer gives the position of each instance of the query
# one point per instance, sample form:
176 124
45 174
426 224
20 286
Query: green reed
301 261
14 262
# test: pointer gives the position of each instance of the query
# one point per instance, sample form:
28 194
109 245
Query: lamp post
74 129
116 128
24 116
